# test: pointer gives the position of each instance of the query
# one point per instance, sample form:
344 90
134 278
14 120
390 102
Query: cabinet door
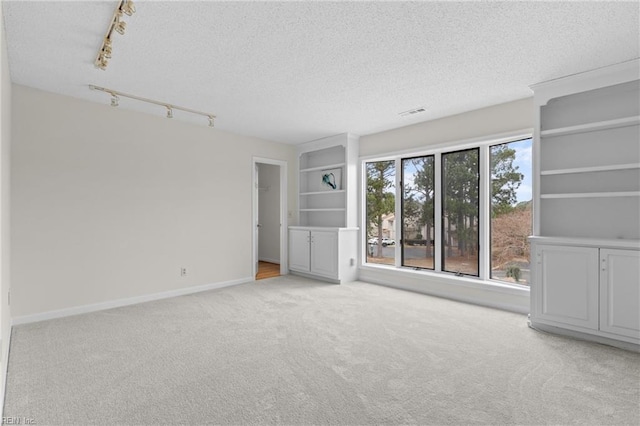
567 285
620 292
299 250
324 253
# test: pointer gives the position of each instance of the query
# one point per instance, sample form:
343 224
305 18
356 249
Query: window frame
484 250
443 257
435 195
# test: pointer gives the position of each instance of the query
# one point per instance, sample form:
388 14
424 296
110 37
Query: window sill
494 294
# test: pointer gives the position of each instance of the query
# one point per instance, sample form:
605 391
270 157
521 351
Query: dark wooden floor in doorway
267 270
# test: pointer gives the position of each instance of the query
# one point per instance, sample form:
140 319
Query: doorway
269 218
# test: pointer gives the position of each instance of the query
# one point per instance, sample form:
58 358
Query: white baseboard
5 370
60 313
585 336
264 259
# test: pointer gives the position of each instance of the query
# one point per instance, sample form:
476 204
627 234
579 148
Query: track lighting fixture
117 25
115 99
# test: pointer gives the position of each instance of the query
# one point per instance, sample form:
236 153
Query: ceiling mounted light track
117 25
115 98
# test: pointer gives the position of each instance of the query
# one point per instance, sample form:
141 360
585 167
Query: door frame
284 267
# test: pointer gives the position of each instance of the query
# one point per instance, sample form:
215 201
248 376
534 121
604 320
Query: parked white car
388 242
385 241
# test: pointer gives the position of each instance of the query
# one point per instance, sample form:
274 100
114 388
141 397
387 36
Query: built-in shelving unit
586 243
588 161
324 244
327 182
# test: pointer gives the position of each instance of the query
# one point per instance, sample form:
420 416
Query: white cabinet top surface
588 242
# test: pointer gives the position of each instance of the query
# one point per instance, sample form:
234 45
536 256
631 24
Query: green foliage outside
460 186
380 195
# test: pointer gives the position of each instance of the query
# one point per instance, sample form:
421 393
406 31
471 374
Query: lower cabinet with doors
589 287
326 253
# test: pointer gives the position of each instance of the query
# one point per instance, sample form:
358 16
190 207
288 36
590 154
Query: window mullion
485 215
397 223
437 243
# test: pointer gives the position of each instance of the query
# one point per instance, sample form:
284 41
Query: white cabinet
326 253
587 286
620 292
567 289
299 250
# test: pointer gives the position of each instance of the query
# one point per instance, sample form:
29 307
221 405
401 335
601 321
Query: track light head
169 112
120 26
128 7
102 62
211 121
115 100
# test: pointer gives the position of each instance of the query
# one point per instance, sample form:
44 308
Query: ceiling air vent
411 112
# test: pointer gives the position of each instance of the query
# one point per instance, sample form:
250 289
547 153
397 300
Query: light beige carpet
294 351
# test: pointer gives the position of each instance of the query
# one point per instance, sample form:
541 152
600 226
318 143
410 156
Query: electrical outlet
183 272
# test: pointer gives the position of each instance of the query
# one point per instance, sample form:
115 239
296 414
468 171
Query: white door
324 253
567 285
299 253
620 292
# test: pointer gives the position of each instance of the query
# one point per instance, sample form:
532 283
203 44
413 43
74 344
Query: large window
464 211
511 211
460 211
381 235
418 220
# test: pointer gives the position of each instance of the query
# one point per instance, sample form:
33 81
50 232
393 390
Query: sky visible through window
523 162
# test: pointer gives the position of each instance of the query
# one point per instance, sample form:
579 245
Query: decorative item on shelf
331 179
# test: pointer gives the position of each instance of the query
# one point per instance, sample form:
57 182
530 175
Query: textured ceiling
298 71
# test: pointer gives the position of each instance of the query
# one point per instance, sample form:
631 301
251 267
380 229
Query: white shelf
319 168
613 167
333 191
323 210
592 195
591 127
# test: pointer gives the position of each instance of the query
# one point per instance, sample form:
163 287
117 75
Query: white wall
5 142
503 118
109 204
495 120
269 213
